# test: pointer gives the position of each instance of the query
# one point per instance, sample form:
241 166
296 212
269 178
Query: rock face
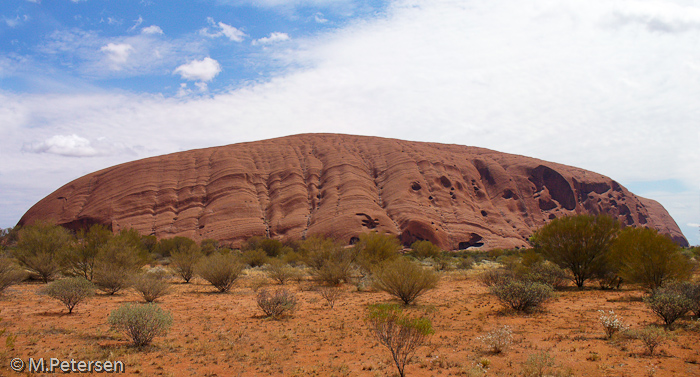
343 186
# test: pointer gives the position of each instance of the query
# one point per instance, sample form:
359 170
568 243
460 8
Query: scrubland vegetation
415 304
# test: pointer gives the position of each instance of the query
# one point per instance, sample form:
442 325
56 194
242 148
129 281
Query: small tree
81 258
646 257
404 279
151 286
401 334
70 292
168 246
577 243
278 304
184 260
141 322
41 248
116 264
522 296
221 270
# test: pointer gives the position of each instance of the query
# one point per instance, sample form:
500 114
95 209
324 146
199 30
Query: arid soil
217 334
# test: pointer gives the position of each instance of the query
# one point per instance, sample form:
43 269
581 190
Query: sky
610 86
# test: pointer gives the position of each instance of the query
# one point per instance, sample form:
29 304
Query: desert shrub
651 337
220 270
539 364
497 340
611 322
465 263
425 249
9 274
184 260
278 304
272 248
70 291
374 248
669 304
330 294
168 246
41 248
151 286
208 246
117 262
691 291
404 279
140 322
81 258
329 262
578 243
495 276
398 332
547 273
281 272
254 258
649 258
522 295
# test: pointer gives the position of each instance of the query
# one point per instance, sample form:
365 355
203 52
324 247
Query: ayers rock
342 186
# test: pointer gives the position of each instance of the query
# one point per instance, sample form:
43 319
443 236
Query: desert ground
215 334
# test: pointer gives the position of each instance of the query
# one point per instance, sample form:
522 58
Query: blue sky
606 85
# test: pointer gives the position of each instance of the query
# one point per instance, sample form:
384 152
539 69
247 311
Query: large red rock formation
342 186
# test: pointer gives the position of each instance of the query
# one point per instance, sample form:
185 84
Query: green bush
547 273
494 276
281 272
117 262
649 258
41 248
184 261
578 243
374 248
651 337
522 295
151 286
221 270
70 292
254 258
425 249
278 304
9 274
81 258
398 332
669 304
330 263
140 322
168 246
404 279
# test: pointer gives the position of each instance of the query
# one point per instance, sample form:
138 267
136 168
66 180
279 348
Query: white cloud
96 56
222 29
199 70
547 79
273 38
64 145
153 29
118 53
